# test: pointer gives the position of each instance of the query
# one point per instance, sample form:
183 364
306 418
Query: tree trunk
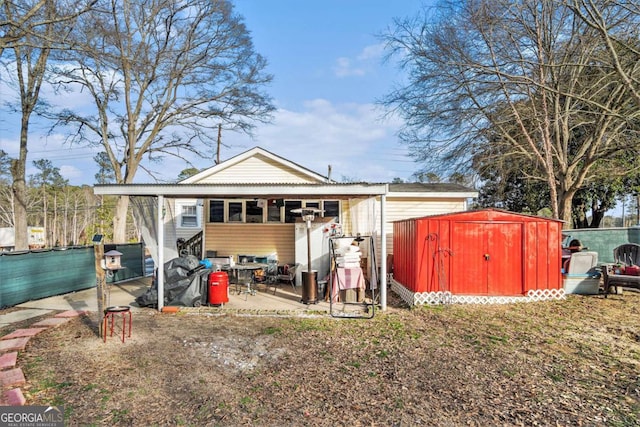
74 226
54 225
120 220
65 224
20 214
19 188
597 216
48 239
564 209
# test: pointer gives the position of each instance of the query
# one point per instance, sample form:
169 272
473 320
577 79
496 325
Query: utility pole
219 142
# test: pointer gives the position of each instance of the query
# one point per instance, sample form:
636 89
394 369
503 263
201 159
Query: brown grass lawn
572 362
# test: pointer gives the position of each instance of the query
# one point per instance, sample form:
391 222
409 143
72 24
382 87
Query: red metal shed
488 252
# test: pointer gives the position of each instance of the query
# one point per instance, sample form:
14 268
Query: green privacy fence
31 275
604 240
132 260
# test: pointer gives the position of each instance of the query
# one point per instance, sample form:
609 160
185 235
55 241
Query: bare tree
618 24
6 196
22 22
30 30
48 183
78 208
30 67
163 74
524 76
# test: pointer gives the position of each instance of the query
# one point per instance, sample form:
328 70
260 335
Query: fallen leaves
572 362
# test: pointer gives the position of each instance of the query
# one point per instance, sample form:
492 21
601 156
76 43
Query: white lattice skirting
446 297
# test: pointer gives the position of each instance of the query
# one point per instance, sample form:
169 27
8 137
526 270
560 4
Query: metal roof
242 190
429 187
431 190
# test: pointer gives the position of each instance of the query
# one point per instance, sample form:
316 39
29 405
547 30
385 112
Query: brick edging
12 377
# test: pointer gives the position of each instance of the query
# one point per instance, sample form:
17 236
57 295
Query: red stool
111 313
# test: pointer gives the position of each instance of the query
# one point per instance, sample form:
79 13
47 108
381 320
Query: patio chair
582 263
271 274
288 275
627 254
626 257
581 275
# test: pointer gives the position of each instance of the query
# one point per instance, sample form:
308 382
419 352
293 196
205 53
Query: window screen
254 211
216 211
235 211
288 205
189 217
331 208
273 211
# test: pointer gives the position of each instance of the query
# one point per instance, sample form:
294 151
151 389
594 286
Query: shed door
487 259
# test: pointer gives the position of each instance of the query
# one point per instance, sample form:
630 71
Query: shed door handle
486 257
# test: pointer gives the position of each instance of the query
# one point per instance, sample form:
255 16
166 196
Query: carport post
160 232
383 254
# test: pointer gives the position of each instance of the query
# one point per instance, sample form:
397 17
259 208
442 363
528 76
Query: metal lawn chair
288 276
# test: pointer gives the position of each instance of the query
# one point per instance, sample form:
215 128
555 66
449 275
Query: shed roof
486 214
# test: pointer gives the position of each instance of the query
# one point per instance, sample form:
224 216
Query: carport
269 191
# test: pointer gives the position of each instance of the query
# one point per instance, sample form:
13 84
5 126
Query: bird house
112 260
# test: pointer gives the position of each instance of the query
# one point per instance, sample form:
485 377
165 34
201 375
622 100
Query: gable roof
272 168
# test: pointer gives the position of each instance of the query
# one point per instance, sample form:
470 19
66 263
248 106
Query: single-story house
246 206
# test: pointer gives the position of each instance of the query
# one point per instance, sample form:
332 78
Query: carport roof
243 190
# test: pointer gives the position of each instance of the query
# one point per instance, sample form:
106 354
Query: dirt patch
572 362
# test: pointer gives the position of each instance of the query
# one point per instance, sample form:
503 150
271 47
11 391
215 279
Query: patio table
244 273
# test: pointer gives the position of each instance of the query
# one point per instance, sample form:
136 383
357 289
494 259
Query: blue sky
327 62
326 59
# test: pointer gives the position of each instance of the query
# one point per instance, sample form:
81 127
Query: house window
235 211
331 209
188 212
216 211
274 213
254 211
189 216
262 210
289 216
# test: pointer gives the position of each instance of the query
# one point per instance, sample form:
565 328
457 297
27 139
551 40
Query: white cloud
73 174
345 67
9 145
362 64
373 52
70 97
350 137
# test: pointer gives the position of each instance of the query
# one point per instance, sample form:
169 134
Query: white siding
185 232
260 170
251 239
399 208
405 208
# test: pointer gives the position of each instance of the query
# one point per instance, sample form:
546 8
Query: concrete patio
263 300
